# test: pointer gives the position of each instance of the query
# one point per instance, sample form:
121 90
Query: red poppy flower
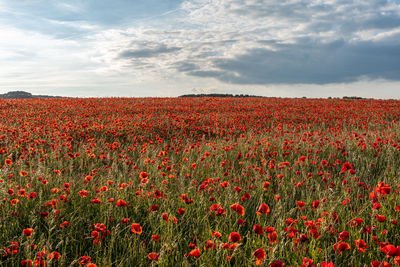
85 260
125 220
277 263
55 255
315 204
121 203
153 256
258 229
391 250
346 166
28 232
234 237
27 262
344 235
266 185
303 238
269 229
263 209
143 175
217 209
273 237
237 189
155 238
259 254
381 218
300 204
380 264
241 222
361 245
238 208
356 222
195 253
136 228
181 211
216 234
307 262
340 247
64 224
210 245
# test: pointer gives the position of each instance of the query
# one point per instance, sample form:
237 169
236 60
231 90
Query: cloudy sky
288 48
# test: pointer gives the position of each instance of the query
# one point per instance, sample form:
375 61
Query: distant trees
219 95
352 97
23 95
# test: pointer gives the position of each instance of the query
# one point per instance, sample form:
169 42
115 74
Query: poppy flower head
196 253
307 262
266 185
361 245
300 204
181 211
27 262
263 209
380 264
234 237
344 235
210 244
315 204
341 246
153 256
238 208
277 263
381 218
216 234
327 264
143 175
28 232
155 238
258 229
136 228
391 250
121 203
84 260
55 255
259 254
273 237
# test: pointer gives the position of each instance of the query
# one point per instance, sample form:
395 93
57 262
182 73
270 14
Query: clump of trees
219 95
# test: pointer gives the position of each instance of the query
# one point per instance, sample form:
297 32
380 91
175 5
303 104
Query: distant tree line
23 95
219 95
353 97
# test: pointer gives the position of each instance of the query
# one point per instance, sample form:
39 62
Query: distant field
199 182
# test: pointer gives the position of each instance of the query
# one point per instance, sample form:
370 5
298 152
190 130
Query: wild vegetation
199 182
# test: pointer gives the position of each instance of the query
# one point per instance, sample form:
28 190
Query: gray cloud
148 52
310 42
309 62
185 66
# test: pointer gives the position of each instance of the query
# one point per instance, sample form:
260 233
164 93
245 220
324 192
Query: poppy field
199 182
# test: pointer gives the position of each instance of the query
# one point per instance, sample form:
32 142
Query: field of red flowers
199 182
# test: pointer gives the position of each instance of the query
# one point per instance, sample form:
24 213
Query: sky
166 48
